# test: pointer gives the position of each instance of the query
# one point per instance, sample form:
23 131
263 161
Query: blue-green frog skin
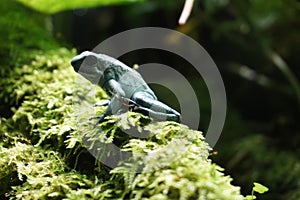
125 86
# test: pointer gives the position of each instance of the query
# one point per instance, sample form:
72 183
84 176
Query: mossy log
42 153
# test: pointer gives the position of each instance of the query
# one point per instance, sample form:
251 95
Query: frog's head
90 65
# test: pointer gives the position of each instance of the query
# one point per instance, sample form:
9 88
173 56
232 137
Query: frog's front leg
114 105
154 108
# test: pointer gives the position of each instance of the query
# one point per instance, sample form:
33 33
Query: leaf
260 188
250 197
54 6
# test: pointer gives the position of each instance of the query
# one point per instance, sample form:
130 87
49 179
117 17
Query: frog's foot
100 119
129 103
105 103
157 116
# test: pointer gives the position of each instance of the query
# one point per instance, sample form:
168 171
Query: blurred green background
255 45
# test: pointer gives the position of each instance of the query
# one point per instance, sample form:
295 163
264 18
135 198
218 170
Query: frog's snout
87 57
76 62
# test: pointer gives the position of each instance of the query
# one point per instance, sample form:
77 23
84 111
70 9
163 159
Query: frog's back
130 80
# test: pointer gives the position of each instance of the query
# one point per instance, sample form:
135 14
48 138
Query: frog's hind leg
154 108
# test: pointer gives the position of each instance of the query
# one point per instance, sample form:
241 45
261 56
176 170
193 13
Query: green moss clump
176 167
20 28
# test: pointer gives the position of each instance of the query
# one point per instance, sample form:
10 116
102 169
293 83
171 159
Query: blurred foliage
255 45
18 33
54 6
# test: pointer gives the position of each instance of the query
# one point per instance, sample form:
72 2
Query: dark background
260 140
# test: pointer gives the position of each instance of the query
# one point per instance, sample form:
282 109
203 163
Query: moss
19 29
176 167
45 119
43 147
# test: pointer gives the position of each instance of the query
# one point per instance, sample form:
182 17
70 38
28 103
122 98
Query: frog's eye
90 60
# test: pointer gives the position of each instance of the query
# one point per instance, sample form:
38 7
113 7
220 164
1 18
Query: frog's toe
105 103
121 111
95 117
100 119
